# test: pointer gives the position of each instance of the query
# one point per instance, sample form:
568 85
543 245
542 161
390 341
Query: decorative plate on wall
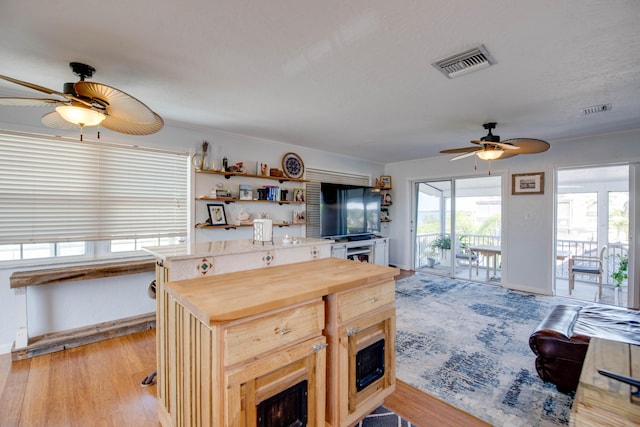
292 165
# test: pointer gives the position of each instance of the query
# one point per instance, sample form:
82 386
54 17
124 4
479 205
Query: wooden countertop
233 296
228 247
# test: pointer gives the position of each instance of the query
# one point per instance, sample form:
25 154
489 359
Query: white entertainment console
374 251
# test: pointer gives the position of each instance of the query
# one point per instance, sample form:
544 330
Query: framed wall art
217 215
298 195
384 182
527 183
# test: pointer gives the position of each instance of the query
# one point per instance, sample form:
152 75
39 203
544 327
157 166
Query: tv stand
360 238
374 250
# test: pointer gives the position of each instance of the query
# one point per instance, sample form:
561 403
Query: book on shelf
273 192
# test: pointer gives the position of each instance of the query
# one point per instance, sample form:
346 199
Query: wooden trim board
50 276
71 338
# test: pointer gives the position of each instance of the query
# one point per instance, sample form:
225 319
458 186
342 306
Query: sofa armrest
558 324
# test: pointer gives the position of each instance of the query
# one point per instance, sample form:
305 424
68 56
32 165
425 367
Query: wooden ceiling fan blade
31 102
118 124
125 114
505 145
118 104
529 145
44 90
460 150
462 156
506 155
33 86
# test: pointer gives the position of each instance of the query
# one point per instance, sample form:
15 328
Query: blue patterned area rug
383 417
468 345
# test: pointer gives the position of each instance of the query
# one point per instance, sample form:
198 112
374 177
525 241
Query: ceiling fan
85 104
489 147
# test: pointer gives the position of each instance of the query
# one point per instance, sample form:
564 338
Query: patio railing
424 242
576 247
611 259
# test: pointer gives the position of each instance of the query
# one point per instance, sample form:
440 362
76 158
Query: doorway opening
592 234
458 228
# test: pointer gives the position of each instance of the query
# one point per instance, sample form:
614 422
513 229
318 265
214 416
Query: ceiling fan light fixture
489 154
80 116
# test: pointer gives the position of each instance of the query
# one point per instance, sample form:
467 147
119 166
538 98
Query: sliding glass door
464 244
433 226
592 226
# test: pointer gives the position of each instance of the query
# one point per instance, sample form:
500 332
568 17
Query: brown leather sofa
560 341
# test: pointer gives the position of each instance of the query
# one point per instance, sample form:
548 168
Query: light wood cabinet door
256 382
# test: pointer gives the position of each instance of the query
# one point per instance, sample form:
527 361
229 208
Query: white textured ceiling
353 77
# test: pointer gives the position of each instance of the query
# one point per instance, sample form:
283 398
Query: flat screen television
349 211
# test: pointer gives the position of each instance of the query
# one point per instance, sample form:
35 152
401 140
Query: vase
200 161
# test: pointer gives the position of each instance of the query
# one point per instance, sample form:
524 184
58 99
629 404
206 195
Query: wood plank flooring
99 385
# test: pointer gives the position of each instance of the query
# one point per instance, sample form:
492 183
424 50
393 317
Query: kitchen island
209 259
316 338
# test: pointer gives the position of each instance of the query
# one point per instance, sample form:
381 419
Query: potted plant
621 274
443 244
432 259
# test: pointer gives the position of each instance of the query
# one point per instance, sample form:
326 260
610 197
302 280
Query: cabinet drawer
251 338
361 301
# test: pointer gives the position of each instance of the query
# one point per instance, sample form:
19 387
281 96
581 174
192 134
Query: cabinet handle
285 331
318 347
374 300
352 331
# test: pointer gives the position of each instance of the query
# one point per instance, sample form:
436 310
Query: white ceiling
353 77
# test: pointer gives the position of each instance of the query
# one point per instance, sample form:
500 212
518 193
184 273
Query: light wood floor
99 385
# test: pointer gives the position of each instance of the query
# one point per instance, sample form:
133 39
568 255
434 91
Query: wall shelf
283 212
228 200
228 175
234 226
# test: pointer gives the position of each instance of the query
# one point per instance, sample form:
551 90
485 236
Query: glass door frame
602 227
453 233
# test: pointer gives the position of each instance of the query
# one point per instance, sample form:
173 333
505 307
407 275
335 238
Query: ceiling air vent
596 109
465 62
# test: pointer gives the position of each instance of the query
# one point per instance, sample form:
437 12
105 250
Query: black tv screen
349 210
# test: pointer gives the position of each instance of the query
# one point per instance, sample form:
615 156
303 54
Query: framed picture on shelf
217 215
298 195
299 217
246 192
527 183
386 199
384 214
384 182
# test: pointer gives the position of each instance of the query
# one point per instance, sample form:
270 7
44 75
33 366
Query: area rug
383 417
467 344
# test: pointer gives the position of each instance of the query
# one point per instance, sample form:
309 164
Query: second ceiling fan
490 147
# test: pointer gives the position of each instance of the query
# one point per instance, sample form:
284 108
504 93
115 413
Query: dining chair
587 265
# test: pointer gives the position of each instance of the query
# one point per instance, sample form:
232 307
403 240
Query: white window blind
56 189
316 177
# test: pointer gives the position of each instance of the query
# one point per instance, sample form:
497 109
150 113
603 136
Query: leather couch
560 341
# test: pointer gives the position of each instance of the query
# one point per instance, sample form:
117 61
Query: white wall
76 304
528 221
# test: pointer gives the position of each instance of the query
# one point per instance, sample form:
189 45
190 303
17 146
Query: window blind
57 189
316 177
